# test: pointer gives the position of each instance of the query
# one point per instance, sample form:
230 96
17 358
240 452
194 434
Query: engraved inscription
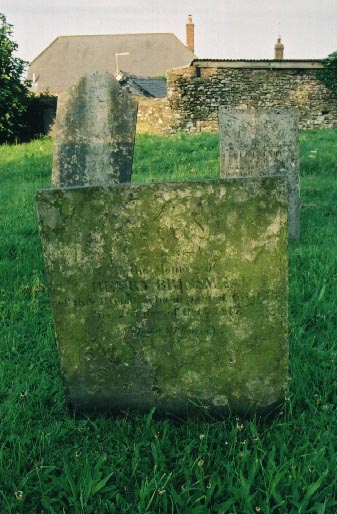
164 293
262 142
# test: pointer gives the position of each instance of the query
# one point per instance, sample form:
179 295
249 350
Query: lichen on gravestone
170 295
260 142
94 133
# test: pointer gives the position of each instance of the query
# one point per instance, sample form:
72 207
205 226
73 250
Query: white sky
223 28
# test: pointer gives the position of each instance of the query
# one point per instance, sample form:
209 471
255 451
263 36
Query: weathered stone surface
94 133
170 295
196 93
262 142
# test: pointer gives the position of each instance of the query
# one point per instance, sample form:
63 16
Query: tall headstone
170 295
94 133
262 142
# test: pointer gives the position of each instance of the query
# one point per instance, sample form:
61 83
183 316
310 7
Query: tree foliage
13 89
328 75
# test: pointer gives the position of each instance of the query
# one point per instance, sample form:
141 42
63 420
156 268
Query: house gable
68 58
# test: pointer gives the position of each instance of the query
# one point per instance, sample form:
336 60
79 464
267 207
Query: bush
39 116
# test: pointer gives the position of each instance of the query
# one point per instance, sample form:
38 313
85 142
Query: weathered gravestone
94 133
262 142
170 295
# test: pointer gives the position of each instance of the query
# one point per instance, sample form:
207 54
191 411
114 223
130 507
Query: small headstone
171 295
94 133
262 142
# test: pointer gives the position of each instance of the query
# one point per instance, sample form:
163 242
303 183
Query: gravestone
171 295
262 142
94 133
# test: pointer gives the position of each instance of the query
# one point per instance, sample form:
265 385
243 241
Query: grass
54 461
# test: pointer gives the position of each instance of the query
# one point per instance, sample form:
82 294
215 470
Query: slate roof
152 87
68 58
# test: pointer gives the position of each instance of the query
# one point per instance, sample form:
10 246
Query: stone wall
194 94
155 116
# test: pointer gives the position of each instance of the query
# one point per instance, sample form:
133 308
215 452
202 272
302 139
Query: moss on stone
161 296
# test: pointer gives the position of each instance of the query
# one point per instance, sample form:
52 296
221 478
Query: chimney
190 33
279 49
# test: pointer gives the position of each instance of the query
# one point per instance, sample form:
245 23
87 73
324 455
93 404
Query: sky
224 29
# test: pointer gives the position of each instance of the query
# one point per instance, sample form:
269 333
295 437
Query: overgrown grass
54 461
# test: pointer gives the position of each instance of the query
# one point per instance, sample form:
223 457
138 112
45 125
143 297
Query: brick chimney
190 33
279 49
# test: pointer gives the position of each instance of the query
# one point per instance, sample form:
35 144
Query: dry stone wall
195 100
155 116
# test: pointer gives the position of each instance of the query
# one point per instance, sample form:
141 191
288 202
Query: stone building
196 92
195 87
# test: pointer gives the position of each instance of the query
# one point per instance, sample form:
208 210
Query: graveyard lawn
57 461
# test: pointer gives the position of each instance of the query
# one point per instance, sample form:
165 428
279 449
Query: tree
13 89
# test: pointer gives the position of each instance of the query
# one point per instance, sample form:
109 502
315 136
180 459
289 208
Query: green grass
54 461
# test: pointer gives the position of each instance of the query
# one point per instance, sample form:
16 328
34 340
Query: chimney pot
190 33
279 49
